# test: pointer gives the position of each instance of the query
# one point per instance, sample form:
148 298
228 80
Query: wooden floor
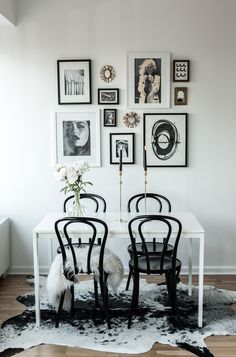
12 286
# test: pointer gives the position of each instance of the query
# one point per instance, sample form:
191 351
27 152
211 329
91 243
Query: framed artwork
109 117
108 96
148 80
124 142
181 70
77 137
165 137
74 81
181 95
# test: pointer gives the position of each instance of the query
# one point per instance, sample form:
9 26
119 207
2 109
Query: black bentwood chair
70 263
99 203
152 263
161 203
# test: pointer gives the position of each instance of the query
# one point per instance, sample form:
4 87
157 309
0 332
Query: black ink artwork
165 139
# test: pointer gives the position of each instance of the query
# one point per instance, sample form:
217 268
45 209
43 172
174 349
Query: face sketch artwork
165 139
76 138
149 82
122 145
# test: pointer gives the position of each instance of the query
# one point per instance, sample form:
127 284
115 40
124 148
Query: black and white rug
154 323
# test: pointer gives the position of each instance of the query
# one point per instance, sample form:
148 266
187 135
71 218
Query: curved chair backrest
171 226
98 201
160 201
66 227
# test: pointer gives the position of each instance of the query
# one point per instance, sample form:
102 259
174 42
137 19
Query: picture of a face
76 137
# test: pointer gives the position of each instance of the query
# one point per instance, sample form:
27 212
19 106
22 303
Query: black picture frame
109 117
108 96
166 140
74 81
181 96
181 71
128 146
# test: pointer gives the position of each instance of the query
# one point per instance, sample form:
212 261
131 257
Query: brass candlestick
145 190
121 220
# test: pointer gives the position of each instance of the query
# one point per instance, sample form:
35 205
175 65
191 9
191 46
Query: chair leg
177 274
173 292
72 290
168 287
104 293
59 309
135 297
96 292
128 281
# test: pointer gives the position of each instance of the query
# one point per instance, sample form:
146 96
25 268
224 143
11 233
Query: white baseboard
208 270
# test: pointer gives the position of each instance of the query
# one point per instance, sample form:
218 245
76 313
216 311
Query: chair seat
152 247
155 262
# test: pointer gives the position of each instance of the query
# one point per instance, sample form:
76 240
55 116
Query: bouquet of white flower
72 175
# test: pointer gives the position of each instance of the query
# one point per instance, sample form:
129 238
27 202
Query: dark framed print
124 142
109 117
165 138
77 137
74 81
148 80
181 70
181 95
108 96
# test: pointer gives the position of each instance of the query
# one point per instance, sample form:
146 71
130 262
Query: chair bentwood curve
98 201
154 264
62 228
161 203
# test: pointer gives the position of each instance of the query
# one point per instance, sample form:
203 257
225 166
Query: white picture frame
77 137
148 80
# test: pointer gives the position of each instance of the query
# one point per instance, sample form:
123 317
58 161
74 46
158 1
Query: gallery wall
105 31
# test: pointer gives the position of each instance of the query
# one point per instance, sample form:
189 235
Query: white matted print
74 81
165 137
77 137
148 80
124 142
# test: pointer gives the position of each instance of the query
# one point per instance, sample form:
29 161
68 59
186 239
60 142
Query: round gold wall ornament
131 119
107 73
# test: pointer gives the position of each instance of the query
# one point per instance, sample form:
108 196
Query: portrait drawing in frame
148 80
77 137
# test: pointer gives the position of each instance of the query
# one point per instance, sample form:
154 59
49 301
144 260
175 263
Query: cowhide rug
154 322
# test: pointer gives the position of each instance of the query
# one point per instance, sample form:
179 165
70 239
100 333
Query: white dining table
191 229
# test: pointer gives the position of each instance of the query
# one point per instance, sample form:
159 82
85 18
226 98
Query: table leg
190 265
36 279
200 281
50 251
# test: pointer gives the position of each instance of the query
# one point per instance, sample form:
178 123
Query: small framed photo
181 95
109 117
108 96
181 70
124 142
77 137
74 81
165 137
148 80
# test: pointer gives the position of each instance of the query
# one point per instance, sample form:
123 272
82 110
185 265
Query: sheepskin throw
57 282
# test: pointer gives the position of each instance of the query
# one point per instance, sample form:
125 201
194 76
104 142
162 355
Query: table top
190 224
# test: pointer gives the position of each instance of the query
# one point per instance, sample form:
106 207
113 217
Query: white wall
105 30
7 12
